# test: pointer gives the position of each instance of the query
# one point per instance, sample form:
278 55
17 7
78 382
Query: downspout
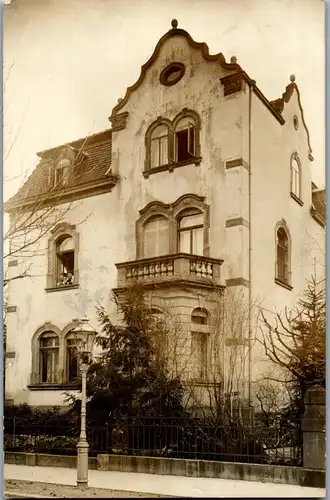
250 245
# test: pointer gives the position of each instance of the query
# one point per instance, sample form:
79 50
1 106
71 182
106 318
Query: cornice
70 194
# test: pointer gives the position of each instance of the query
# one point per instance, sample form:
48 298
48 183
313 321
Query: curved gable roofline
202 46
278 104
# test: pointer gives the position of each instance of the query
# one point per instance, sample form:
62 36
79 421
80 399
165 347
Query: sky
66 62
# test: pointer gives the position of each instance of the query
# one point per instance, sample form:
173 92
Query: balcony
169 270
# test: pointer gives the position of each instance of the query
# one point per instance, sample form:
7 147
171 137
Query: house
201 187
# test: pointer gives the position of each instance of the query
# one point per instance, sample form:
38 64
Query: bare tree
295 341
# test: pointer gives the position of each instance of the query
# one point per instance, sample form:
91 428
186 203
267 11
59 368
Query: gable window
282 256
62 172
156 237
191 233
295 177
159 147
48 358
72 371
170 144
65 261
185 139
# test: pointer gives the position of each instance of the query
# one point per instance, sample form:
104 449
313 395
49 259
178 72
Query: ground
30 488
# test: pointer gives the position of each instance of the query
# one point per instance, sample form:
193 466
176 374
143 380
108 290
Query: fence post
313 428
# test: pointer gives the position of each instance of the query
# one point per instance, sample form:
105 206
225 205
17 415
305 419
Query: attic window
172 74
62 172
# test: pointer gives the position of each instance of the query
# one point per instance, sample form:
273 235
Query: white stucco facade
242 177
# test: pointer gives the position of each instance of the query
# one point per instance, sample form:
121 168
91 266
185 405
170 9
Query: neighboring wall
272 147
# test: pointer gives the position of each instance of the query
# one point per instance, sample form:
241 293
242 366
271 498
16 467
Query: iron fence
191 438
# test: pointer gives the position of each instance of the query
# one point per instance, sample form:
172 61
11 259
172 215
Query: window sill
283 283
298 200
170 167
53 387
202 382
61 288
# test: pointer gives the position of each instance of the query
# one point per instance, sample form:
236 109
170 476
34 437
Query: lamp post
84 335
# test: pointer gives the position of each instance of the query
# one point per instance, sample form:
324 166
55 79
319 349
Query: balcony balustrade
181 267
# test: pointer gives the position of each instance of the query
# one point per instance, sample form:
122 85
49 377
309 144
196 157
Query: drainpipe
250 243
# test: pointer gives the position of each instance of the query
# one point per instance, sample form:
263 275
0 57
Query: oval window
172 73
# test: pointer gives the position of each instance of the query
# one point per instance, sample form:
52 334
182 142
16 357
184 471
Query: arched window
156 237
191 232
64 261
282 256
71 357
173 142
159 146
185 139
199 343
199 316
62 172
295 177
48 358
63 248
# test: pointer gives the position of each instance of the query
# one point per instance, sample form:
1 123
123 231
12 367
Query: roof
93 167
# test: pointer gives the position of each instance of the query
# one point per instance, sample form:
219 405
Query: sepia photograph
164 248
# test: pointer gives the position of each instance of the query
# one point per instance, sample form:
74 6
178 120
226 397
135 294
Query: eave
68 195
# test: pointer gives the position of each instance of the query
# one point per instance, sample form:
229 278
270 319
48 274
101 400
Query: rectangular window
48 361
185 143
191 234
72 360
282 266
156 238
199 354
159 151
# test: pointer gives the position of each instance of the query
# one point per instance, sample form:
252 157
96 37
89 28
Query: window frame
154 218
62 379
201 332
296 174
190 229
283 279
172 213
172 150
53 350
60 233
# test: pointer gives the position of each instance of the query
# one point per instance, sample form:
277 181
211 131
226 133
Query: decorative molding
119 122
237 282
237 162
11 309
202 47
233 83
10 354
318 217
278 105
171 213
170 167
13 263
237 221
174 66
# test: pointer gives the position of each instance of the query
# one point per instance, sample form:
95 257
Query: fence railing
191 438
